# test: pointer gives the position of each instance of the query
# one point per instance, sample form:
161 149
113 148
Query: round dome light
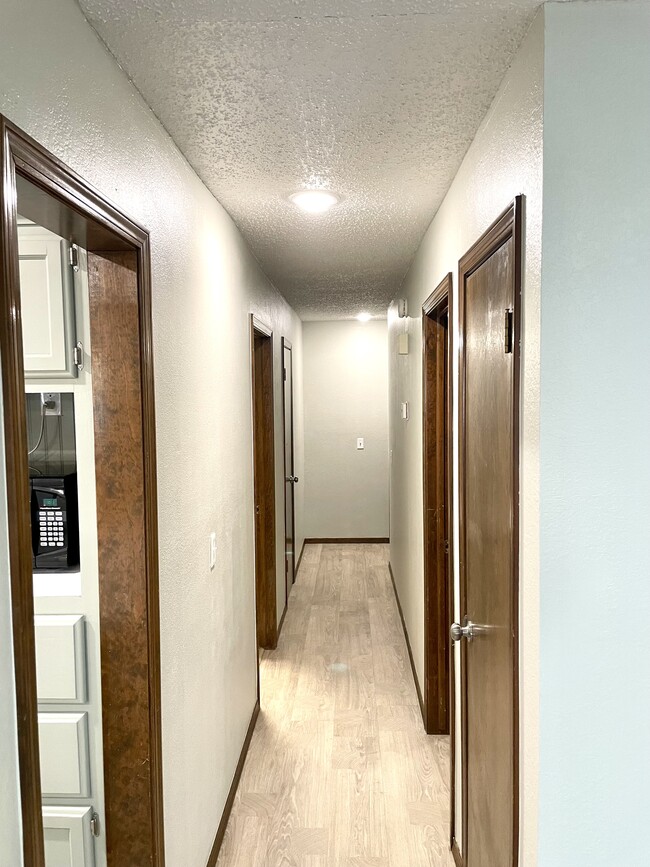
314 201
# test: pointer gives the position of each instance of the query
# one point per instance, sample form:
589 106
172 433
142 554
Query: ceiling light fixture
364 317
314 201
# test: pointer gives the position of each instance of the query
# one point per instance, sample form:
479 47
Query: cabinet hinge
94 825
73 255
78 356
509 330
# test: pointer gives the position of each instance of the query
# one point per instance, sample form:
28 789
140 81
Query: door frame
508 225
264 488
286 344
438 590
108 229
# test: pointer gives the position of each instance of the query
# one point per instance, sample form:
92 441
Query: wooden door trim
286 344
436 690
266 479
507 225
109 228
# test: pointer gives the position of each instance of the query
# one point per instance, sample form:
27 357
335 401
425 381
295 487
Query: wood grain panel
438 591
264 482
117 406
489 287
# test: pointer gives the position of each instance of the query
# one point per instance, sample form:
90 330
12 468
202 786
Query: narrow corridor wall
595 424
59 84
346 397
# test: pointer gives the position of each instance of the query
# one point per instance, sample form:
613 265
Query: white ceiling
377 100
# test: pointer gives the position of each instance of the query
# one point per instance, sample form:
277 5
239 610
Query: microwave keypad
51 533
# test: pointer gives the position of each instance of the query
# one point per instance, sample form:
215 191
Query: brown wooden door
290 478
489 290
437 572
264 486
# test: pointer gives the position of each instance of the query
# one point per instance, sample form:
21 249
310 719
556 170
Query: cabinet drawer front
60 658
63 740
68 838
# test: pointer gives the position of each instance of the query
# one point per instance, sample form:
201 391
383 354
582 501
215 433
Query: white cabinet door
47 302
68 838
63 742
60 658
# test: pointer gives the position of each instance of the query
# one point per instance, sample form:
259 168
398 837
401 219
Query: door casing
82 214
507 226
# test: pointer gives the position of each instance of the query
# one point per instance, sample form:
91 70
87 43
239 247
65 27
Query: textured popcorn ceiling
376 100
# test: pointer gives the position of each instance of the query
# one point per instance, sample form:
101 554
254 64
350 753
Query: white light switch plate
360 443
213 550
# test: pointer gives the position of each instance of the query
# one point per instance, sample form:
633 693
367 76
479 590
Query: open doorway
264 484
290 479
80 488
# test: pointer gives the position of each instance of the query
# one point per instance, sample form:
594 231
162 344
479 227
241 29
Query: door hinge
446 546
94 825
509 330
73 256
284 374
78 356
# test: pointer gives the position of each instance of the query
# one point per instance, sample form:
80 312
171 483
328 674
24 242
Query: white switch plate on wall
213 550
360 443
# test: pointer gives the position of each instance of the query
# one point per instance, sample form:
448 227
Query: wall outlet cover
51 402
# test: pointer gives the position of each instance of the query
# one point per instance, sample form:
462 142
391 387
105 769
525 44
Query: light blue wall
595 438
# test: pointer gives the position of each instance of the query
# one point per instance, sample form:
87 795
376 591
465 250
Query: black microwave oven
55 523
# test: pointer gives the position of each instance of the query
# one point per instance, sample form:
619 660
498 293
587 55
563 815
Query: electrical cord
40 436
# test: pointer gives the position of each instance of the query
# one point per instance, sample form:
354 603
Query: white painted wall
59 84
504 159
346 397
595 423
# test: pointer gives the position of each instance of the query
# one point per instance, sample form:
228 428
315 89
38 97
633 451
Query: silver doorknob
458 632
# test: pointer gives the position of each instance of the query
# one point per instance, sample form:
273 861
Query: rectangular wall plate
51 402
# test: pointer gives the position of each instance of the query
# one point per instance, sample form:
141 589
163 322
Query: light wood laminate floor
340 772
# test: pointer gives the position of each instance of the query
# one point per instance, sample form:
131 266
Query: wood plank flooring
340 772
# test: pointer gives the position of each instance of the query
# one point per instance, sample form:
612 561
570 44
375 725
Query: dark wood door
264 485
125 467
437 496
289 478
489 289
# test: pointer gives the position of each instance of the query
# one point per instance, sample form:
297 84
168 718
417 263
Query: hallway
340 772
